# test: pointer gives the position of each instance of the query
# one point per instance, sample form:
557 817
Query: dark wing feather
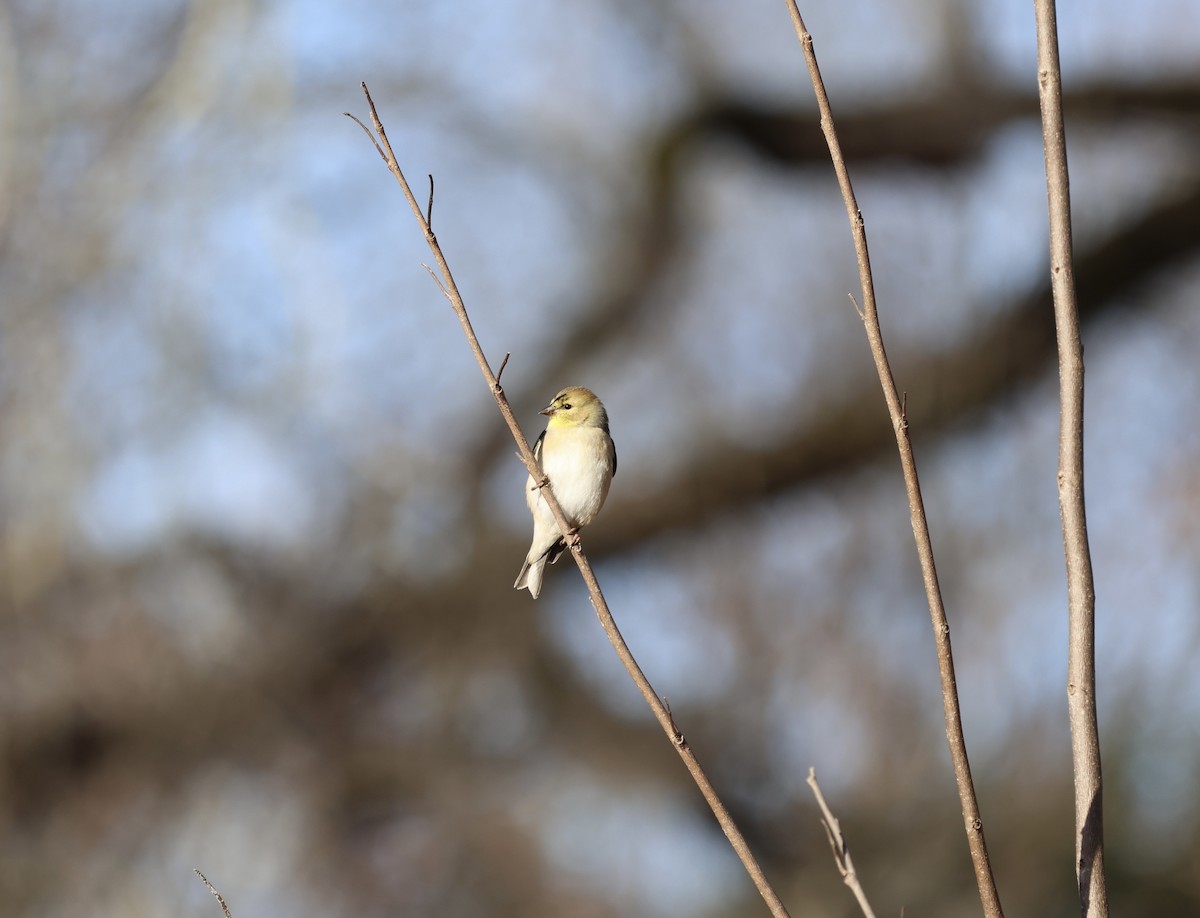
537 455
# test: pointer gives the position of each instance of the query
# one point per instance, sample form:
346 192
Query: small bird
578 456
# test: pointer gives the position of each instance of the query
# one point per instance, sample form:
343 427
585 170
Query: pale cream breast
578 462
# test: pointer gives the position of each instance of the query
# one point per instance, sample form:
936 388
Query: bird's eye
566 406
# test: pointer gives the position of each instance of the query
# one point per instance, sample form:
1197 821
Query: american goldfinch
578 456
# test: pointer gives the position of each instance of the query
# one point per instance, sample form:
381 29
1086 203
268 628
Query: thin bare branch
442 287
212 889
988 894
503 364
367 131
857 308
1081 595
607 622
841 851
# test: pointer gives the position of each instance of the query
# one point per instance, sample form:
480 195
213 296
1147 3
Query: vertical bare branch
988 894
841 851
659 708
1081 596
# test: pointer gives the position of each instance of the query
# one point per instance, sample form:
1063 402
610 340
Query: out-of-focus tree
259 519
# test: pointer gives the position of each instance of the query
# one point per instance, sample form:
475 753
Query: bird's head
576 406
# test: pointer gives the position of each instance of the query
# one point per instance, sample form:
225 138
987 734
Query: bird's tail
530 577
533 569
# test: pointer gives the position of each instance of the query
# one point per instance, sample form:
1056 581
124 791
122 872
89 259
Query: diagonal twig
212 889
1081 594
841 851
988 894
661 713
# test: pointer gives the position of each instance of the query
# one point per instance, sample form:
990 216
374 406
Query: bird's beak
548 411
